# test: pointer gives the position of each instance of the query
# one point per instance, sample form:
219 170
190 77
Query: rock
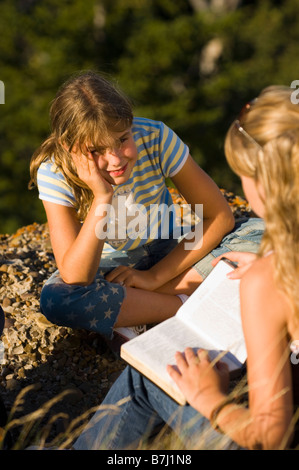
46 357
6 302
17 350
12 384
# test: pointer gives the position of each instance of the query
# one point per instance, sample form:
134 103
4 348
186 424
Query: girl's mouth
120 172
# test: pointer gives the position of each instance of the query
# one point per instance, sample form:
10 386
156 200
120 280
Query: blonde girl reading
98 161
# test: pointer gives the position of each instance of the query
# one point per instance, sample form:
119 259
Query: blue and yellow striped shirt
140 210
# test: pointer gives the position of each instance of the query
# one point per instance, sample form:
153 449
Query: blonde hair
85 111
273 122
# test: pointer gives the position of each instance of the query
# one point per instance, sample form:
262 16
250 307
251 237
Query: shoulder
53 186
156 141
144 127
146 123
259 279
49 167
261 272
152 130
259 294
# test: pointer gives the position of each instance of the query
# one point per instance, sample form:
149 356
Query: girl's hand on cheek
90 174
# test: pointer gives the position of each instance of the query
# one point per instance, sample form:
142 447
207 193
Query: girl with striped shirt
101 175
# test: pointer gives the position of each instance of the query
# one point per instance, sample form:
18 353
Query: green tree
188 63
42 43
195 70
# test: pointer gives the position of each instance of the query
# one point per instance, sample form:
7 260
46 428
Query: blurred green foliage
187 62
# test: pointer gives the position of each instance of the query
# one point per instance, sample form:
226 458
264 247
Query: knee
45 302
53 301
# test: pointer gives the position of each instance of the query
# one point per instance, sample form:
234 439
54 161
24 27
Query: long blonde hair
273 162
86 110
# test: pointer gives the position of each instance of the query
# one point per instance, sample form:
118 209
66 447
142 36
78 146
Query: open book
209 319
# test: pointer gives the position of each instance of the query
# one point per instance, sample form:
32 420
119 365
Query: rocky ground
49 375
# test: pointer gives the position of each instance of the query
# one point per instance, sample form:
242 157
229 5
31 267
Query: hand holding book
203 383
242 261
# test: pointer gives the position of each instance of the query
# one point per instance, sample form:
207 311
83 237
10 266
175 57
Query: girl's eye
97 152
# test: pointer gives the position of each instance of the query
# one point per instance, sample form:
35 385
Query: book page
213 311
152 351
162 341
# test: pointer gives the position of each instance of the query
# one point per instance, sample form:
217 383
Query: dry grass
34 429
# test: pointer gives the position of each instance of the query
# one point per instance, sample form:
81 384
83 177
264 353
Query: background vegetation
191 63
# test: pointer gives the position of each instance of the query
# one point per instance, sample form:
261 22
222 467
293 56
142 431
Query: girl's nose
114 156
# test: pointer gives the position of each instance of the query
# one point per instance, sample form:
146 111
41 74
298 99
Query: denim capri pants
246 236
95 307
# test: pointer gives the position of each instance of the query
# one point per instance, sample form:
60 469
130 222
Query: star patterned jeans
95 307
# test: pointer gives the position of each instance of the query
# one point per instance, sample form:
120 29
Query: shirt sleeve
173 152
52 185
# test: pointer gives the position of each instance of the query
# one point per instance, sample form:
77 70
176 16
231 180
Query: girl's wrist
212 402
159 275
102 200
216 412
